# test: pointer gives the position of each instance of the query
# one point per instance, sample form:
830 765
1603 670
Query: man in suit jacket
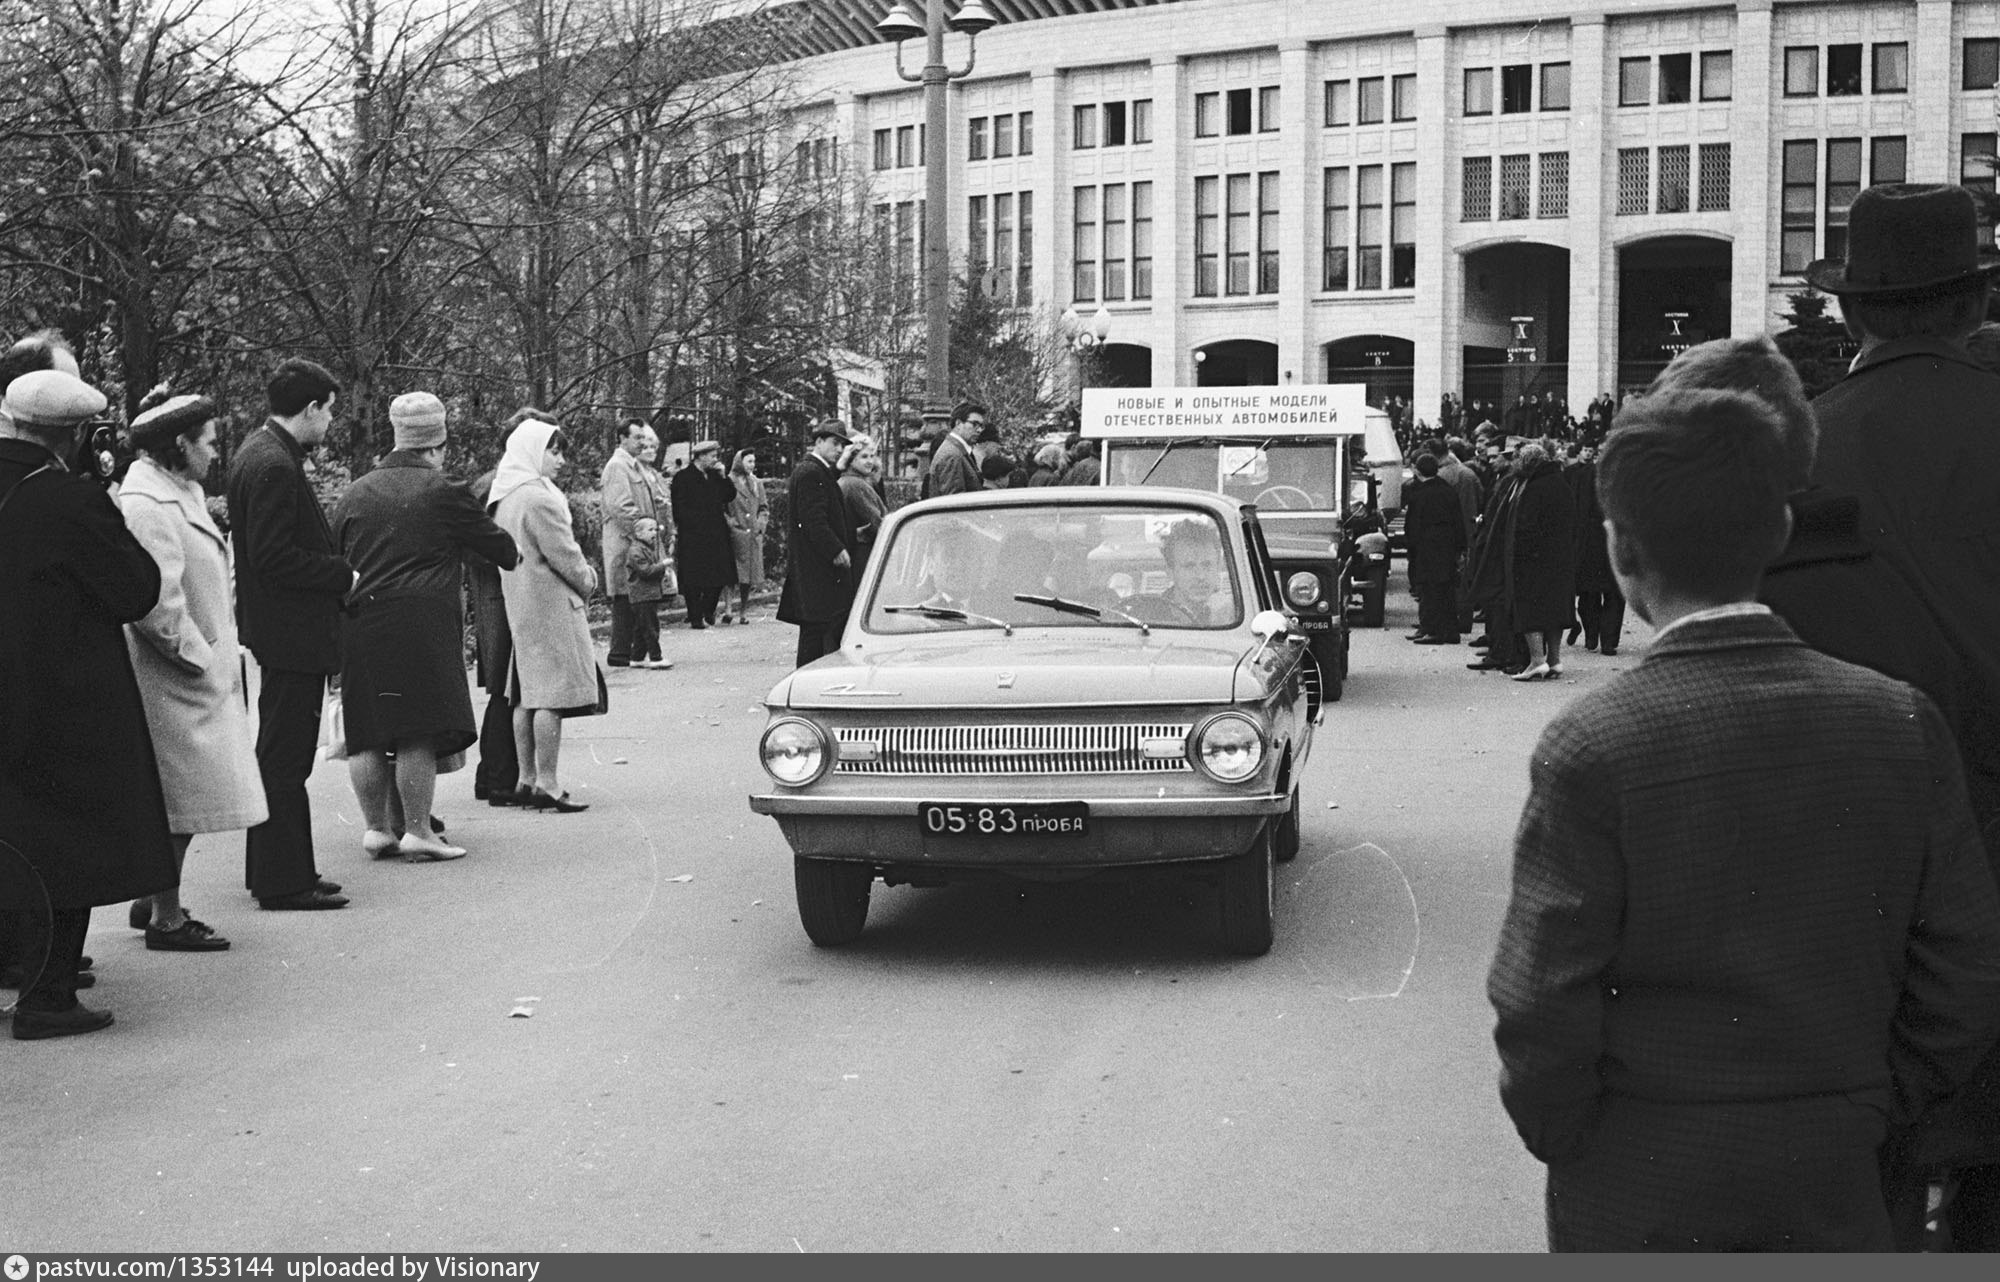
819 548
625 499
1752 925
1434 539
289 589
953 468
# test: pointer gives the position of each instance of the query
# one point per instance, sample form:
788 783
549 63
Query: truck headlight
1302 589
794 752
1228 747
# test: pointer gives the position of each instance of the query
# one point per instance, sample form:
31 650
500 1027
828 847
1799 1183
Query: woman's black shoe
561 805
190 936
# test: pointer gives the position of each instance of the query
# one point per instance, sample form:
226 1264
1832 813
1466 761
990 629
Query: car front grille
1013 750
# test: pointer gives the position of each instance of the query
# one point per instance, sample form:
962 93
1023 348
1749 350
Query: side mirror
1268 625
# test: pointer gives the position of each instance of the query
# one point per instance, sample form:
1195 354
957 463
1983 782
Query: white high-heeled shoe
1539 672
380 845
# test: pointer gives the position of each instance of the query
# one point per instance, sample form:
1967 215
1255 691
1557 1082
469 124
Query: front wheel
833 899
1247 883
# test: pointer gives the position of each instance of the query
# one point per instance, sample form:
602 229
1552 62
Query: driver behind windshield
1200 586
959 566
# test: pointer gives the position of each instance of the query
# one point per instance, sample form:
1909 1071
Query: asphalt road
1050 1068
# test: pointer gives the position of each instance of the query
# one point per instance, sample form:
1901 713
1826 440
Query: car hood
1078 667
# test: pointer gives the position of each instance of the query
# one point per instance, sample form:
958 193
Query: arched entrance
1236 362
1119 365
1386 365
1673 292
1514 328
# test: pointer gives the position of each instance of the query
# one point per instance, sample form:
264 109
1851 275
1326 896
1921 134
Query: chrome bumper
1108 808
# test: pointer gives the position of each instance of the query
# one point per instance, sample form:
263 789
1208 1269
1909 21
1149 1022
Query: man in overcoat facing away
819 547
80 790
289 589
1910 432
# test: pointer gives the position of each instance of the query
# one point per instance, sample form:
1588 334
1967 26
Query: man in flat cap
819 547
702 493
79 786
1909 433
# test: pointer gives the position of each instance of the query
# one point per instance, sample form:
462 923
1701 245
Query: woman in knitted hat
406 527
185 653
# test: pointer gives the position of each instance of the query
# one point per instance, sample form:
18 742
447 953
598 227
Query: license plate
984 819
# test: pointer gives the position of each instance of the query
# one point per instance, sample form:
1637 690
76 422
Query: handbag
332 729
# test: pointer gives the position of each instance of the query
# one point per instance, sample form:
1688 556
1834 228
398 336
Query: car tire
1285 847
1333 676
1248 885
833 899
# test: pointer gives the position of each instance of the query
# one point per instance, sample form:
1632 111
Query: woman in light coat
555 665
185 653
748 513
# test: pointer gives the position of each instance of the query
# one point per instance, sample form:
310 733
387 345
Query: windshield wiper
1087 611
954 616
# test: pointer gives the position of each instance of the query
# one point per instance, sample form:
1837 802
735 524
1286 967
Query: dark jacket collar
1732 632
1903 348
29 454
286 439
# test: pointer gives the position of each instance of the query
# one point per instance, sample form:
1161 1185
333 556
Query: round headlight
1229 747
794 752
1302 589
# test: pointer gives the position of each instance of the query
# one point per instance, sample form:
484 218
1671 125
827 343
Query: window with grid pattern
1368 228
1267 233
1475 188
1117 243
1403 225
1142 240
1207 235
1003 245
1843 184
1514 179
1236 234
1335 229
1552 200
1084 243
976 235
1673 180
1712 174
1024 266
1799 205
1634 179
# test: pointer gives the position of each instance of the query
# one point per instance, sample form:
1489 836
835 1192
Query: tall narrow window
1403 226
1114 124
1024 129
1142 240
1269 115
1479 91
1514 179
1975 174
1236 235
1003 137
1552 197
1003 245
1635 82
1635 173
1676 77
1674 194
1800 206
1475 189
1981 68
1368 226
1891 70
1368 101
1718 76
976 235
1843 184
1142 120
1802 71
1714 175
1239 111
1335 230
1117 242
1083 132
1207 235
906 248
1402 97
1517 89
1339 100
1024 258
975 143
1267 233
1083 288
1888 160
1207 115
885 149
906 146
1555 86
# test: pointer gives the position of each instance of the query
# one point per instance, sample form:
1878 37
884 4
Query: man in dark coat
289 589
1751 922
701 494
819 548
79 786
1910 435
1541 562
953 468
1434 538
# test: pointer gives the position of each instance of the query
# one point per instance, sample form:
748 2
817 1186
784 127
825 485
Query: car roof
1221 506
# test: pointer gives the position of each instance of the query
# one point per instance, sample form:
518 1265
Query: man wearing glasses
953 469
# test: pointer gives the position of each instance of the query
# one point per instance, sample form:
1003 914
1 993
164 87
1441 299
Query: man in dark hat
819 547
1909 433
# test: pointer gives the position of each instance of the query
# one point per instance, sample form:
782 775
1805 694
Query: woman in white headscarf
555 665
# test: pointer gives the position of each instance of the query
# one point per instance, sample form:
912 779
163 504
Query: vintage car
1049 684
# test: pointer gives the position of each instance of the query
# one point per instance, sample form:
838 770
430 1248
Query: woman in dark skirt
405 528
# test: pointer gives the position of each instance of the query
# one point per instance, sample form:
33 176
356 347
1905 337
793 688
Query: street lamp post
1085 337
899 24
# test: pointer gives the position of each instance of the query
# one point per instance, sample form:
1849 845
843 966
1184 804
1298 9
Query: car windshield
1078 567
1276 475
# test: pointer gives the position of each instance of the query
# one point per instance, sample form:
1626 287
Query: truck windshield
1278 475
